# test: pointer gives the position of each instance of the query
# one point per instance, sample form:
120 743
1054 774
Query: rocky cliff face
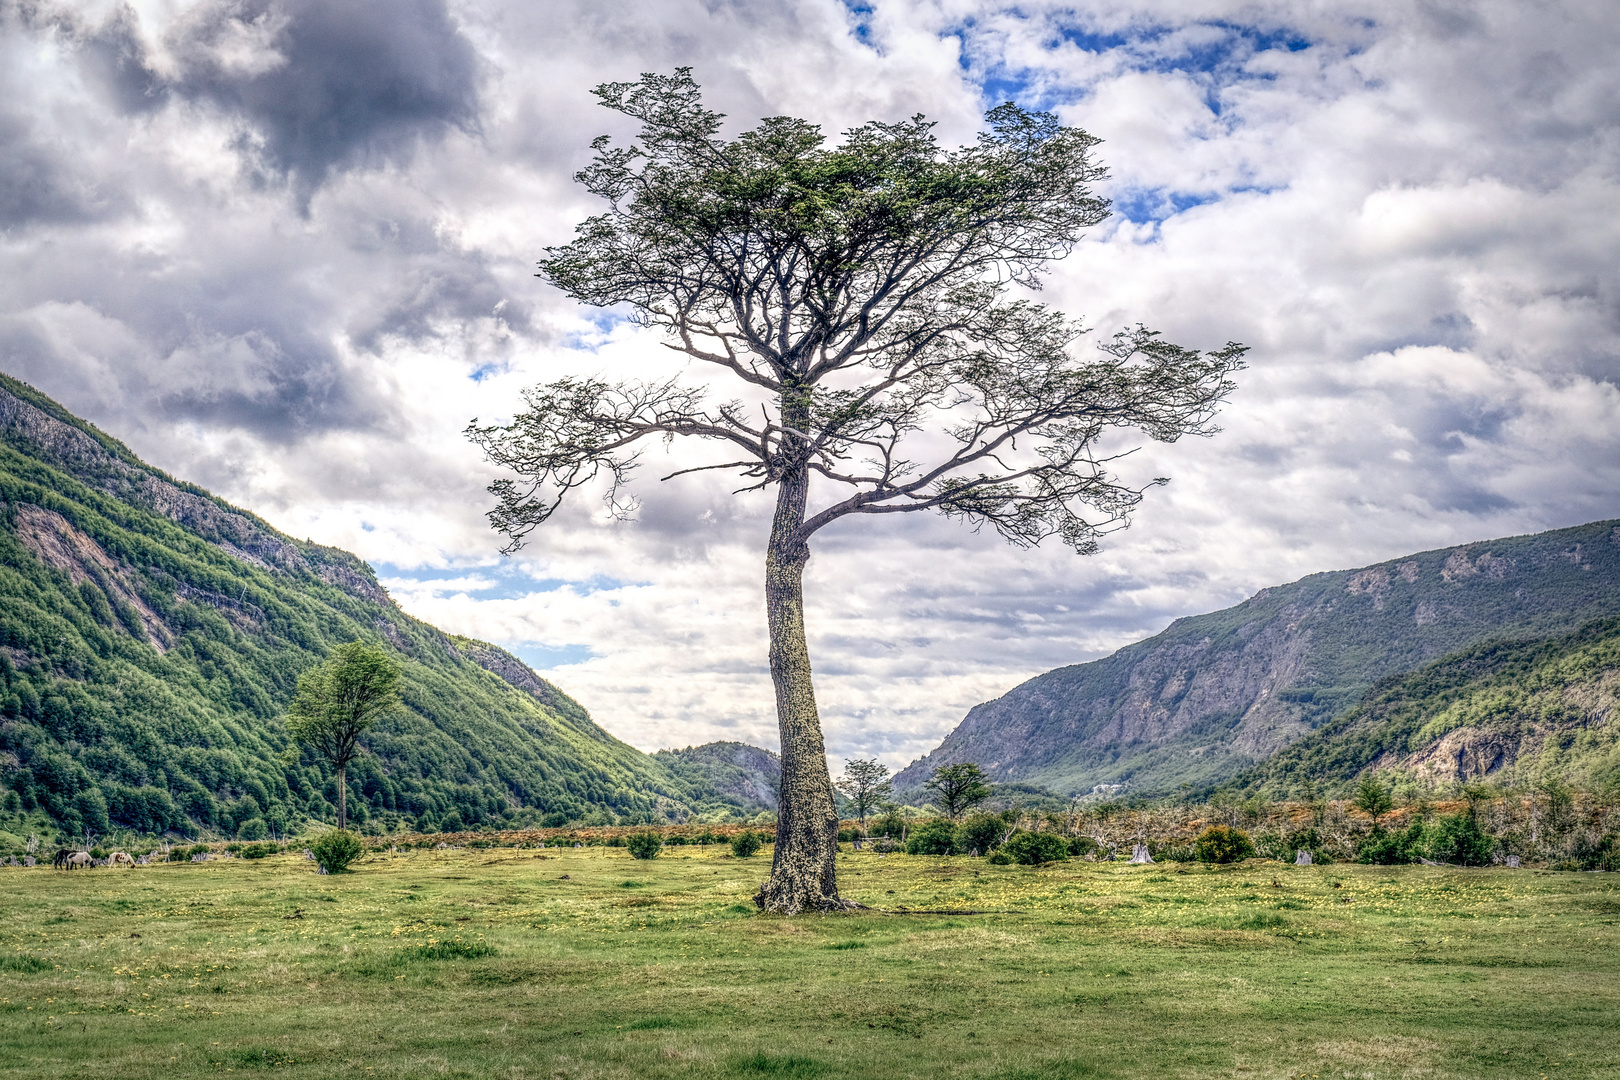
1214 693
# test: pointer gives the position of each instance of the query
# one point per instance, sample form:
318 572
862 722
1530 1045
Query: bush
644 845
1001 858
98 853
178 855
1391 848
938 837
335 850
1222 844
1604 855
253 828
1457 839
1081 846
981 833
745 843
1034 848
259 851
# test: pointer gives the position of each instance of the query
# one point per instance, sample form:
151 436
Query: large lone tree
863 295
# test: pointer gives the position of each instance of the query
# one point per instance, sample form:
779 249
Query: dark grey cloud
358 84
37 186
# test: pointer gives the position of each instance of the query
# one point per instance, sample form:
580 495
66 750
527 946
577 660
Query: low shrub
1458 839
335 849
982 833
98 853
1223 844
999 857
644 845
1081 846
1603 855
259 851
1391 848
745 843
1034 848
938 837
178 855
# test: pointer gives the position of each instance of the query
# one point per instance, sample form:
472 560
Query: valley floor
587 964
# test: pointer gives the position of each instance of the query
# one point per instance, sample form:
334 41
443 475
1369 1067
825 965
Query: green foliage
335 849
1034 848
982 832
999 857
253 829
259 851
1373 798
745 844
958 788
1382 848
644 845
1081 846
937 837
1223 844
1457 839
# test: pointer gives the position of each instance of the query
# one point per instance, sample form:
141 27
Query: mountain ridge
1211 694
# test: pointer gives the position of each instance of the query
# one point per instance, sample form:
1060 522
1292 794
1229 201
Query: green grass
488 964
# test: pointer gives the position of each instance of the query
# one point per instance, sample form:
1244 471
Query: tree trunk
804 865
343 799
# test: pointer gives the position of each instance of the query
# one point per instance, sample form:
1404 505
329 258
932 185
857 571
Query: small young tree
1373 798
337 702
958 788
859 293
867 785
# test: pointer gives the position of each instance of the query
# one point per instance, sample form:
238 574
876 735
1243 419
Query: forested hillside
151 635
1213 694
745 774
1521 713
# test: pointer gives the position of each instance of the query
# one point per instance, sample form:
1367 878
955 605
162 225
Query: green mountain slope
1213 694
744 774
1517 712
151 634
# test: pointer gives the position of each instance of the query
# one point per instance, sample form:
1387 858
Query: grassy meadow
585 963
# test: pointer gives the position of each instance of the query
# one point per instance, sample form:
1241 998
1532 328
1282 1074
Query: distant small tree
867 785
338 701
1373 798
644 845
745 843
958 788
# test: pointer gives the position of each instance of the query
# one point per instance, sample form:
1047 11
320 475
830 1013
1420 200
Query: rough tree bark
803 867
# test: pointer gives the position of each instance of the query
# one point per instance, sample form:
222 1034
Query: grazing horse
60 862
121 858
79 860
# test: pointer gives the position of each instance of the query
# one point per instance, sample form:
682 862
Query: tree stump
1302 858
1139 854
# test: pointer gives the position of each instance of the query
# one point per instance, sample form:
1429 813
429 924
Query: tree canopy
336 703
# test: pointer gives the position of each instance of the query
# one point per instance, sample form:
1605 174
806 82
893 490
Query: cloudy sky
284 248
